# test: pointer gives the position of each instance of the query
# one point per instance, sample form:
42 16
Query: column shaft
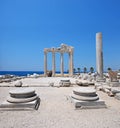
53 63
71 63
45 63
99 55
62 64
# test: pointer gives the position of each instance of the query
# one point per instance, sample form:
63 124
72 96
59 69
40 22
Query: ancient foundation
85 97
22 98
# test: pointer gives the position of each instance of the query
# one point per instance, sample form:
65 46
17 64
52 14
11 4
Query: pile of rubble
111 91
9 78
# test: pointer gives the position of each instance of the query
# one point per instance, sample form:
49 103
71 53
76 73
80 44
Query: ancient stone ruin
65 83
99 57
85 97
62 49
22 98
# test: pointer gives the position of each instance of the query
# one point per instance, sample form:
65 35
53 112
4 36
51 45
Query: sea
22 73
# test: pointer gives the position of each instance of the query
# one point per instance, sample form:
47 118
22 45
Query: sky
29 26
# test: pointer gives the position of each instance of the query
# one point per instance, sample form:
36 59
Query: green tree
68 71
85 69
74 70
78 70
109 69
91 69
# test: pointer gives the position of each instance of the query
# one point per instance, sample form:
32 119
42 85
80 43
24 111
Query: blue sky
29 26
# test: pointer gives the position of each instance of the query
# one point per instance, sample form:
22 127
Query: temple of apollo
62 49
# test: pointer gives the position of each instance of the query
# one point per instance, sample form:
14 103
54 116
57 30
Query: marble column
99 55
45 63
62 64
53 63
71 63
72 66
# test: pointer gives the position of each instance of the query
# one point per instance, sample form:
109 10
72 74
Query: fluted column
53 63
45 63
99 55
62 64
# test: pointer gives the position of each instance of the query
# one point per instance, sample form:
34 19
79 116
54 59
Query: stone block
114 84
117 96
64 83
18 84
34 104
88 104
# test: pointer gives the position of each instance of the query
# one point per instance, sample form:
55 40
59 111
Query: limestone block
64 83
88 104
18 84
33 104
85 77
114 84
115 90
117 96
78 82
91 83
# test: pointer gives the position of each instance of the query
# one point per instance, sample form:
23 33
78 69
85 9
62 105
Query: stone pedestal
22 98
85 97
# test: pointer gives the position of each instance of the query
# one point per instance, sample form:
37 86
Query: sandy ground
56 111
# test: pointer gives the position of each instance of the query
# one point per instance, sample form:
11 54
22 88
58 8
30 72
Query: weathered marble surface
22 91
86 97
21 100
22 97
84 90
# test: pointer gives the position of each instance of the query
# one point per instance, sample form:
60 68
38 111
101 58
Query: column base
99 79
